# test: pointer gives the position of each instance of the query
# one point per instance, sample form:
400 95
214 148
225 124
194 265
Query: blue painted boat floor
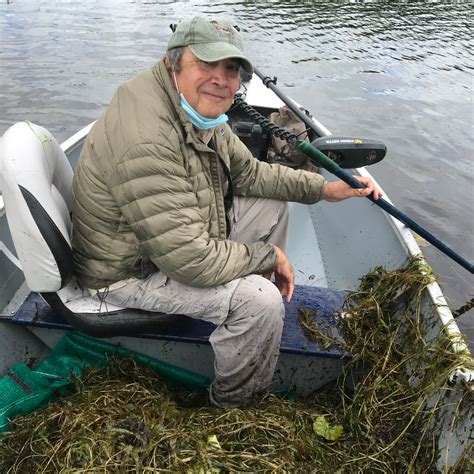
326 302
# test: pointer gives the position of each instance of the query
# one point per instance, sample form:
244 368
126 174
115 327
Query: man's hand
284 275
334 191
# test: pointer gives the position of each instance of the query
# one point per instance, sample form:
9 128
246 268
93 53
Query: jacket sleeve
157 199
252 177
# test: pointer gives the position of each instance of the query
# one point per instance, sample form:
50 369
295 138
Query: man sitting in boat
173 214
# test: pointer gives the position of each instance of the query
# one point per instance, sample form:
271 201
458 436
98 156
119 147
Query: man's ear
167 62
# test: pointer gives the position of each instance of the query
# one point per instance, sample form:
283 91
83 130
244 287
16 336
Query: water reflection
396 71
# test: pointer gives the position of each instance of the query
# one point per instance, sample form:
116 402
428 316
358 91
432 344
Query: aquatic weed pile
397 382
377 418
123 418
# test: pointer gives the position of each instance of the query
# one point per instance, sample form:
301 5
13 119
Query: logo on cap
219 27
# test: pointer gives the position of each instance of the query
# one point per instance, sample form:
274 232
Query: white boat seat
36 184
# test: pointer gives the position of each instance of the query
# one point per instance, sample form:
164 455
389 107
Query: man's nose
220 73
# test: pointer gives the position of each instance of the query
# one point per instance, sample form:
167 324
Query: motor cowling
350 152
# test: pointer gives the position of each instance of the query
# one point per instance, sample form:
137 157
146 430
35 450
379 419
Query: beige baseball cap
210 40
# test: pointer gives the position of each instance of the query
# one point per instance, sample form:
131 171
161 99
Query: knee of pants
276 207
285 209
256 297
279 209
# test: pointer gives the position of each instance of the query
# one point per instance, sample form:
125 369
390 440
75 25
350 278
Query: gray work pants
248 312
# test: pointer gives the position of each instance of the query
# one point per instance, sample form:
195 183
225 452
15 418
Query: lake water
393 71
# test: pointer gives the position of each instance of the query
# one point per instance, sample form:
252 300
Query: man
154 226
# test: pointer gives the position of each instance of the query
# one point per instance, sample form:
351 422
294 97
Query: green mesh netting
22 390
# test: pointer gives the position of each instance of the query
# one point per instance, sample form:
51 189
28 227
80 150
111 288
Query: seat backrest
36 184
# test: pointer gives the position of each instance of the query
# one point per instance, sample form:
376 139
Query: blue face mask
199 121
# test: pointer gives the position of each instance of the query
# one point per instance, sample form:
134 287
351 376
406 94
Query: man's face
208 87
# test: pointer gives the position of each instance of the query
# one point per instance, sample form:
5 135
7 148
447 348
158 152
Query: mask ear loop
175 81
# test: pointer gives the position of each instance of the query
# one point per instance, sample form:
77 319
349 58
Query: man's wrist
281 257
324 190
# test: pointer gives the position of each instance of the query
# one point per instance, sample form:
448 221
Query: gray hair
174 57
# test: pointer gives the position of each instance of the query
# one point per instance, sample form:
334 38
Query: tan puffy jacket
148 193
